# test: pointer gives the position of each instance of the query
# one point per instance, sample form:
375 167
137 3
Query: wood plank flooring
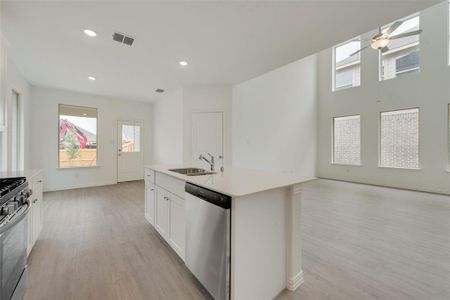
359 242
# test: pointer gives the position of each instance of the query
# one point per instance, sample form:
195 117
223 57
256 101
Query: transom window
347 65
347 140
402 54
399 139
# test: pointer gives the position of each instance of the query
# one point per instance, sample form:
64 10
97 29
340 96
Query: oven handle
8 226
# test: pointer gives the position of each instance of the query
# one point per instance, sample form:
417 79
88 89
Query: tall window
77 136
16 132
402 54
399 139
448 18
347 140
347 65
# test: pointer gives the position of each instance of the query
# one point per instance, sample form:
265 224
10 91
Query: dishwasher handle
212 197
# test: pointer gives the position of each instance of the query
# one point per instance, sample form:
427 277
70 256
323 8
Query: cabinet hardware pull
40 181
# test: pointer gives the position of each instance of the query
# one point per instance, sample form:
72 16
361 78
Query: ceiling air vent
123 39
159 90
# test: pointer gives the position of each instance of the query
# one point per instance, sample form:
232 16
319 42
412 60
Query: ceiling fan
382 39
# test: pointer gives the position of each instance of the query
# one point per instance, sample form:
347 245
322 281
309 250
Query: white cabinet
150 202
177 226
35 217
162 212
165 208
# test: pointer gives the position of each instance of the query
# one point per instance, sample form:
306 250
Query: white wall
168 129
215 98
172 121
15 81
44 136
275 120
428 89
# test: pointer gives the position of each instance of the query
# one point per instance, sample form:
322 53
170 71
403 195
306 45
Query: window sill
71 168
399 168
346 165
337 89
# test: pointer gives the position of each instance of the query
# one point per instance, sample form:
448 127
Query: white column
294 238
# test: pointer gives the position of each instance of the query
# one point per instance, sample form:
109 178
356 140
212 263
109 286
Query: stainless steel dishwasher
208 239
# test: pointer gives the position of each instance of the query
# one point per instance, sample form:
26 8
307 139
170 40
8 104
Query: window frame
448 138
58 140
333 65
333 140
380 55
419 167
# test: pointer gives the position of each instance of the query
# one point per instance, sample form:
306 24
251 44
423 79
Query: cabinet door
150 202
177 229
35 214
162 213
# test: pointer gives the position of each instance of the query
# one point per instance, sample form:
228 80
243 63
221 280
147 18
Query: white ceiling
225 42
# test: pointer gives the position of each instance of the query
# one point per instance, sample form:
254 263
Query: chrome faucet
210 161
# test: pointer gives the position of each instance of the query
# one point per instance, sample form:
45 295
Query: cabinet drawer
169 183
149 175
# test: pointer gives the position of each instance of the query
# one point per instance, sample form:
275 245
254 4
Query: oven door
13 253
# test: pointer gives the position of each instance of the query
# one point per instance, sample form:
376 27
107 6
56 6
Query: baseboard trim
294 282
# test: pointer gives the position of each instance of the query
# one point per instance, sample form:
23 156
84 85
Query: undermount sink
192 171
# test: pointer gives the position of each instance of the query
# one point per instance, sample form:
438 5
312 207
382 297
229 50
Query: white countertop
23 173
235 182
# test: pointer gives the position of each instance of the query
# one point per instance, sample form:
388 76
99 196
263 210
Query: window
347 140
399 139
131 138
346 65
77 136
16 132
402 55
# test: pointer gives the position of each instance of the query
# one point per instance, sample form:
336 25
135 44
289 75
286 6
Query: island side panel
258 245
294 237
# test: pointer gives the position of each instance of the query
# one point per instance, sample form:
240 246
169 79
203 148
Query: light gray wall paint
213 98
172 122
168 129
44 136
15 81
275 119
428 89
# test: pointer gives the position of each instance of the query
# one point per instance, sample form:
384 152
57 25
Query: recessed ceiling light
183 63
84 114
90 32
92 78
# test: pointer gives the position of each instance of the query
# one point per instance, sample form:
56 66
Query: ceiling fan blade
406 34
385 49
356 52
393 27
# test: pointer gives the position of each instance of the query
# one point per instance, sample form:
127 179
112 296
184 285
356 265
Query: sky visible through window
89 124
408 25
344 51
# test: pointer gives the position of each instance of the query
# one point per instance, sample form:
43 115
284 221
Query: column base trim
294 282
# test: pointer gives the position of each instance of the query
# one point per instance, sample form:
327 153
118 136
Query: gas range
14 194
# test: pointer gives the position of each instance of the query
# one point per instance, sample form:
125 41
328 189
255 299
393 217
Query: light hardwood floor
359 242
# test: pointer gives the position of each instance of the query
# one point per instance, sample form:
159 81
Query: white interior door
130 154
207 135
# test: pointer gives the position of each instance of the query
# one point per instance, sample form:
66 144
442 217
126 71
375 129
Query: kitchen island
265 224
